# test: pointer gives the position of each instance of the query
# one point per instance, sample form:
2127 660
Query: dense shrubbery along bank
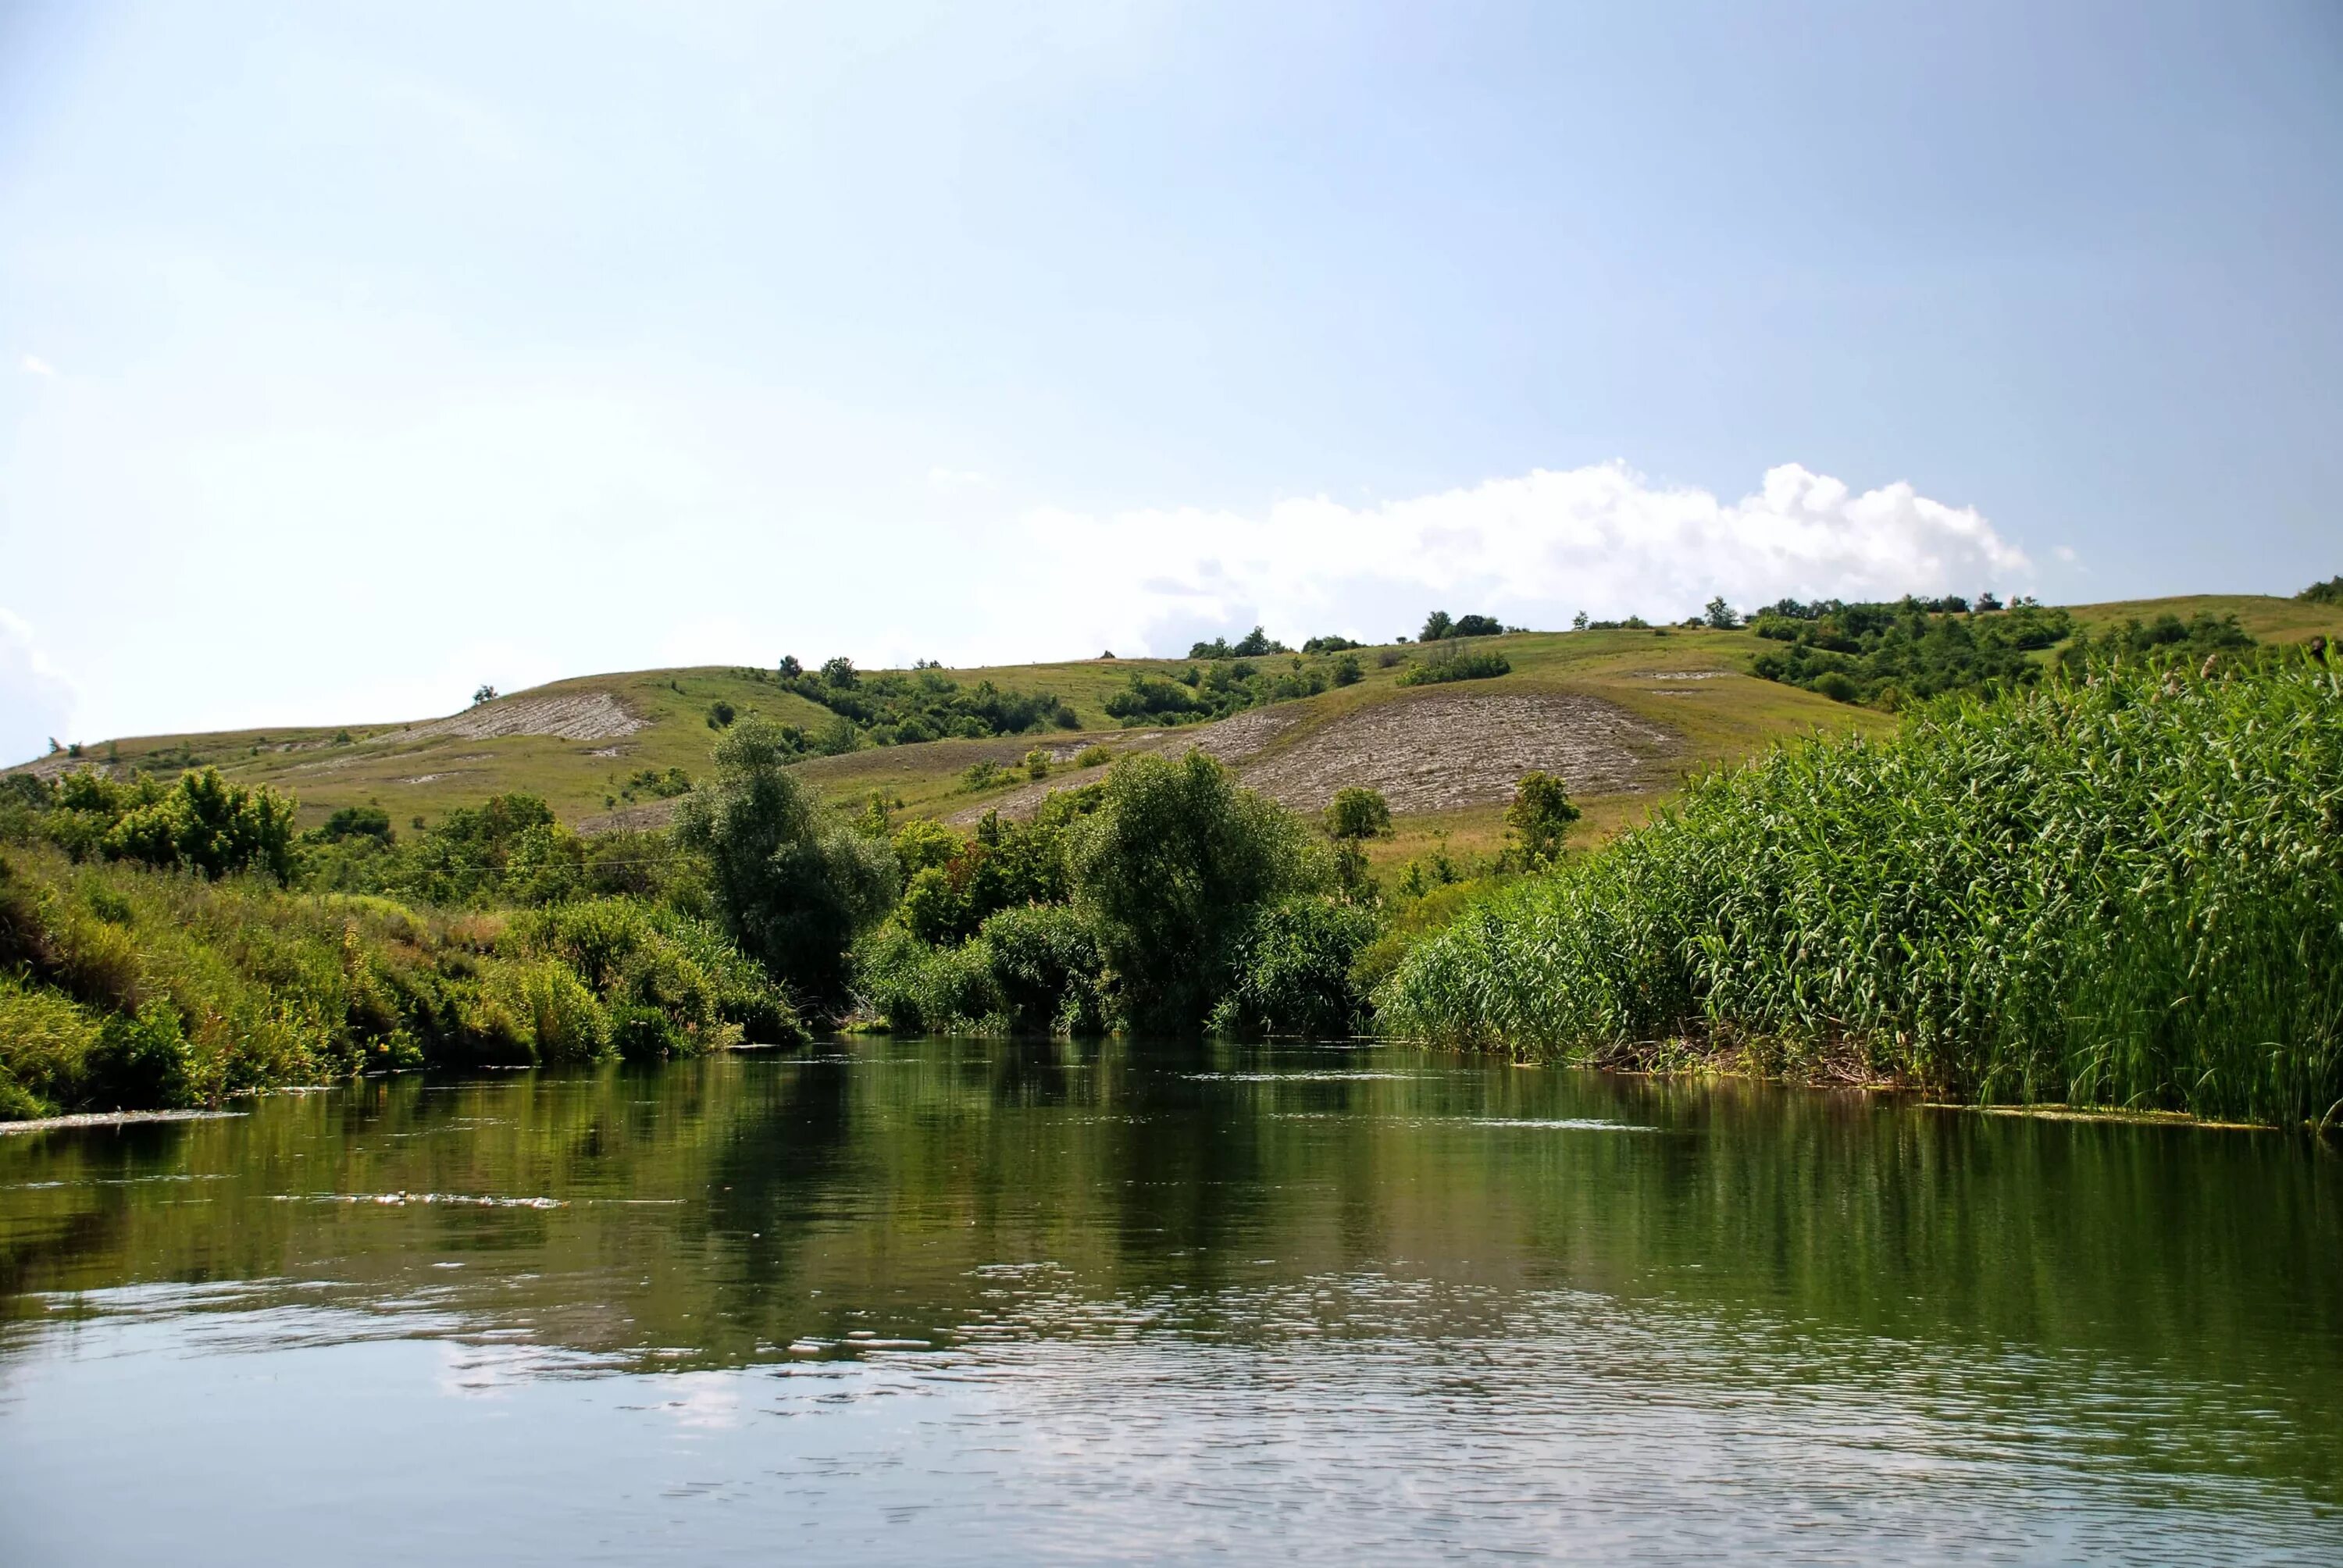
130 986
2127 892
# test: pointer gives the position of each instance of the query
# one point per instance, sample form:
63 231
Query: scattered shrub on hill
1254 644
1324 645
356 823
1357 812
2166 636
674 781
1093 757
1887 655
1540 817
1355 815
2113 893
721 714
896 710
1214 690
1346 670
2329 592
1439 628
1452 663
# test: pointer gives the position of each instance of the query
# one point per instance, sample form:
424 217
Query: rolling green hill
1622 714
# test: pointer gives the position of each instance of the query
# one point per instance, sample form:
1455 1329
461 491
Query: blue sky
354 356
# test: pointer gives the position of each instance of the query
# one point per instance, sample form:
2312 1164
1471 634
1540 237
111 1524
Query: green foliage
956 884
507 849
1886 655
1217 689
721 714
1346 671
1357 812
896 710
132 988
981 775
1254 644
1439 628
1539 817
1452 663
1034 968
790 890
203 824
2168 639
1037 764
1046 970
1093 757
356 823
2329 592
1168 871
1293 971
1325 645
1719 615
2115 893
674 781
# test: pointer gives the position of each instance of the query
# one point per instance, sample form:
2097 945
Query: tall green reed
2127 891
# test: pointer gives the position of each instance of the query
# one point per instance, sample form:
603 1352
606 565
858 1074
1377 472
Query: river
968 1300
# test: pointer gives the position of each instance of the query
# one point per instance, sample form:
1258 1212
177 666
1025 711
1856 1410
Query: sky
352 356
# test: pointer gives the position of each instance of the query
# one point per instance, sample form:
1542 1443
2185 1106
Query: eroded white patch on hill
576 715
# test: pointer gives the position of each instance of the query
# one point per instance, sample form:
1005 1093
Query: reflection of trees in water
721 1207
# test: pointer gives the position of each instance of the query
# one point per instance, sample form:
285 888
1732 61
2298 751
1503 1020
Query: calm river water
960 1300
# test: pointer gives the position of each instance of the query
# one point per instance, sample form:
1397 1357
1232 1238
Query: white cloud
950 479
36 699
1532 550
35 366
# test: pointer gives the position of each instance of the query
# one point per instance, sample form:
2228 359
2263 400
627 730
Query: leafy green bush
790 891
1471 665
1889 654
1358 812
896 710
1167 872
2329 592
1293 971
201 824
1539 817
1046 970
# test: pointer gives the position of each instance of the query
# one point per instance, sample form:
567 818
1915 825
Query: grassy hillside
1624 714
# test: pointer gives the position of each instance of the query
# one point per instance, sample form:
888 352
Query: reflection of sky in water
1265 1311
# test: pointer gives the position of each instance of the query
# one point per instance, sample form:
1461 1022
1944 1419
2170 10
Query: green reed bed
2127 892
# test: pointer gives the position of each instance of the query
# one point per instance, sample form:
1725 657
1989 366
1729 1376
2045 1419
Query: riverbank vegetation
124 986
2120 890
2078 881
